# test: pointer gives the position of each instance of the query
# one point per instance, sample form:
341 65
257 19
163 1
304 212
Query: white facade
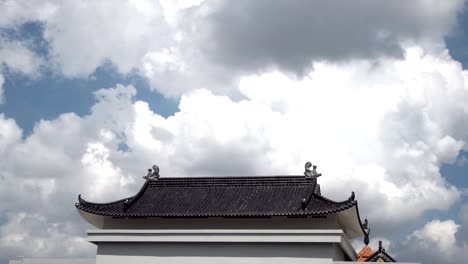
216 245
52 261
220 246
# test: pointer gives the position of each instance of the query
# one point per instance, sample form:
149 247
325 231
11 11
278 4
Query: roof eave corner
350 220
93 219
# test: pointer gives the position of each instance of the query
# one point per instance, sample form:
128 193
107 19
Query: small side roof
380 255
365 253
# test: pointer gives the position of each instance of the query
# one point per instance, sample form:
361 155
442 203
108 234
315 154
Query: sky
92 93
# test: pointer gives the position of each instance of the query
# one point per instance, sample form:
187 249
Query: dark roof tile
221 196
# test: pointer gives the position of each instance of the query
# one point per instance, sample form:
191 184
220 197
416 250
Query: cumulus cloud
15 13
18 57
435 242
38 236
462 234
377 107
85 34
2 80
246 34
437 234
42 174
185 45
382 131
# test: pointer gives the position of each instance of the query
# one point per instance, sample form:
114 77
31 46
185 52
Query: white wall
291 246
279 222
52 261
214 253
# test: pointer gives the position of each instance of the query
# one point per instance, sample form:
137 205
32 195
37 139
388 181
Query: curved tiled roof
223 197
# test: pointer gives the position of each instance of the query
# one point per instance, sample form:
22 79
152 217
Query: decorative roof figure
153 174
307 171
311 173
314 171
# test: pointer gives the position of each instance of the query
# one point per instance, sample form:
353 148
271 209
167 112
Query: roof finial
366 223
311 173
307 171
380 245
153 174
366 236
366 228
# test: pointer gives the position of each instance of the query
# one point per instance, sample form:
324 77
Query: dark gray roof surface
222 196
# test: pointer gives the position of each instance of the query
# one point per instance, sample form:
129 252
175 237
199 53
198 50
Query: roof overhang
93 219
351 222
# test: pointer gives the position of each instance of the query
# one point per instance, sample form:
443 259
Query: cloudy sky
92 93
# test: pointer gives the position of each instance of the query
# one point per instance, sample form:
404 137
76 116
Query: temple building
261 219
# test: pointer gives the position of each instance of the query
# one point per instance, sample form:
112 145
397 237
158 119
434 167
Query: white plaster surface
235 253
221 235
221 245
52 261
182 260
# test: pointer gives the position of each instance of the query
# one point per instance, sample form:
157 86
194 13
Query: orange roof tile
365 252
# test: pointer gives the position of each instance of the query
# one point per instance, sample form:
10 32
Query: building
265 219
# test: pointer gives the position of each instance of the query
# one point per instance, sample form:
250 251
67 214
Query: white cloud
18 57
438 235
382 131
85 34
464 213
462 235
42 174
435 242
258 34
381 127
33 234
2 80
185 45
100 172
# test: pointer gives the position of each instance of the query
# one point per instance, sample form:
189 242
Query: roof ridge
232 181
262 177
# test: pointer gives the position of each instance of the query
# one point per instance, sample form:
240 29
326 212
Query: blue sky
51 94
235 91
